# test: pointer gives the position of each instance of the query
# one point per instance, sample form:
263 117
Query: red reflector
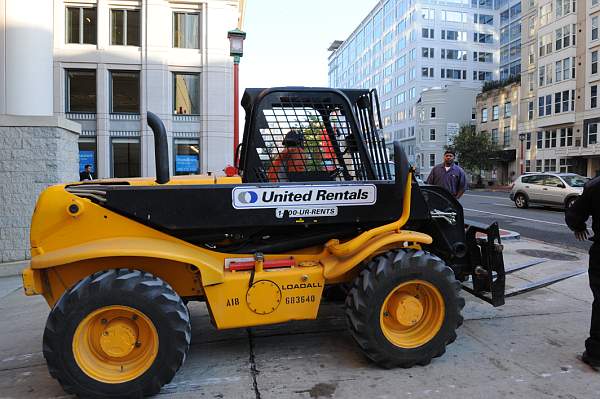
230 171
268 264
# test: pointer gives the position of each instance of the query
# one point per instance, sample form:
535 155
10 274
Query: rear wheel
404 308
117 333
521 201
569 202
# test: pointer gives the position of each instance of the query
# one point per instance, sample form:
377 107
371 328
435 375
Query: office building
403 47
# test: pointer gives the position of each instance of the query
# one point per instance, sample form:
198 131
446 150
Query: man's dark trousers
592 344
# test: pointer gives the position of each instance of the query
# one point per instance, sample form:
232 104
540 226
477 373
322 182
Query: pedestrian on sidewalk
449 175
86 173
588 204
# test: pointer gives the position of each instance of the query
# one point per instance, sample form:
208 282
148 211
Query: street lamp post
236 50
522 137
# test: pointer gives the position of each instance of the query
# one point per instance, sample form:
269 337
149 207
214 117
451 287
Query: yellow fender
210 267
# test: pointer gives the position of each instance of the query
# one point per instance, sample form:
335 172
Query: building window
125 90
427 72
125 27
495 112
530 111
594 62
484 19
595 27
507 109
482 56
538 165
482 38
187 156
594 96
87 154
564 166
484 115
540 140
431 160
125 153
81 25
566 137
592 133
454 35
550 138
427 33
428 13
454 73
427 52
527 165
431 134
186 30
432 112
506 136
557 102
494 136
528 141
81 91
473 114
455 55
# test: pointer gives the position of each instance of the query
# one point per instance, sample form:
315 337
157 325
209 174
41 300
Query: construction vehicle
313 205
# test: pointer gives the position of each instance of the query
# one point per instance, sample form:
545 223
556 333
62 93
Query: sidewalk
527 348
13 268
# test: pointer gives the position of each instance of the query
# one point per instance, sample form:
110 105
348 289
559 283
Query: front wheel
117 333
404 308
521 201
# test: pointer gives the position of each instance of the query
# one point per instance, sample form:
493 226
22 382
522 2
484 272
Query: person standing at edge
449 175
588 204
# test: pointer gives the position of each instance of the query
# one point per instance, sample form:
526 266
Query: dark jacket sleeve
580 211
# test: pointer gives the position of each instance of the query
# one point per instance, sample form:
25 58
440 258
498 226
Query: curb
13 269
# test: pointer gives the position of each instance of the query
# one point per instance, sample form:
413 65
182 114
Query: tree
475 151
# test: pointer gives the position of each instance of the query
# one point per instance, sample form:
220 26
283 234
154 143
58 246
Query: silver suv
554 189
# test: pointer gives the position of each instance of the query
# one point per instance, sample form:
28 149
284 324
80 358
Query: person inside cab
292 159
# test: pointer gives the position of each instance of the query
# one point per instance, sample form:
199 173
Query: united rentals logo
247 197
307 195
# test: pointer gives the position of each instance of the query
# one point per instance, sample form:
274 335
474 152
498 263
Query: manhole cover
538 253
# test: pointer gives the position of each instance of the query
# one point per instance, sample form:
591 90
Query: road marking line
507 206
516 217
486 196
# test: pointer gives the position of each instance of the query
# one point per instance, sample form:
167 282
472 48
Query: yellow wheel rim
115 344
412 314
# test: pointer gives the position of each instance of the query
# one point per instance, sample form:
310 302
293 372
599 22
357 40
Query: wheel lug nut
386 314
103 321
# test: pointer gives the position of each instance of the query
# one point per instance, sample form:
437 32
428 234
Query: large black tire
364 312
147 294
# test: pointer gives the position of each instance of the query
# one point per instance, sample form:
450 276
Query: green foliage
313 144
474 151
495 84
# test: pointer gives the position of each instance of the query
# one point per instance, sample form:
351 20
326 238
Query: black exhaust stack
161 148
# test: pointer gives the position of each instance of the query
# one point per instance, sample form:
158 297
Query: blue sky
287 40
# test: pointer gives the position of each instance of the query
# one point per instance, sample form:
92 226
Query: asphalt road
538 223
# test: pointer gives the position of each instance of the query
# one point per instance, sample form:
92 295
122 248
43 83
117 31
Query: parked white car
551 189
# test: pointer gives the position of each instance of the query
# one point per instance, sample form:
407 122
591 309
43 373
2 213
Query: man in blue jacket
449 175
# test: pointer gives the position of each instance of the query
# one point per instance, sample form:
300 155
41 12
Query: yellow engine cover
273 296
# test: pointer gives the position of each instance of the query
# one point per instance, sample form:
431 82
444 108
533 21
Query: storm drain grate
552 255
